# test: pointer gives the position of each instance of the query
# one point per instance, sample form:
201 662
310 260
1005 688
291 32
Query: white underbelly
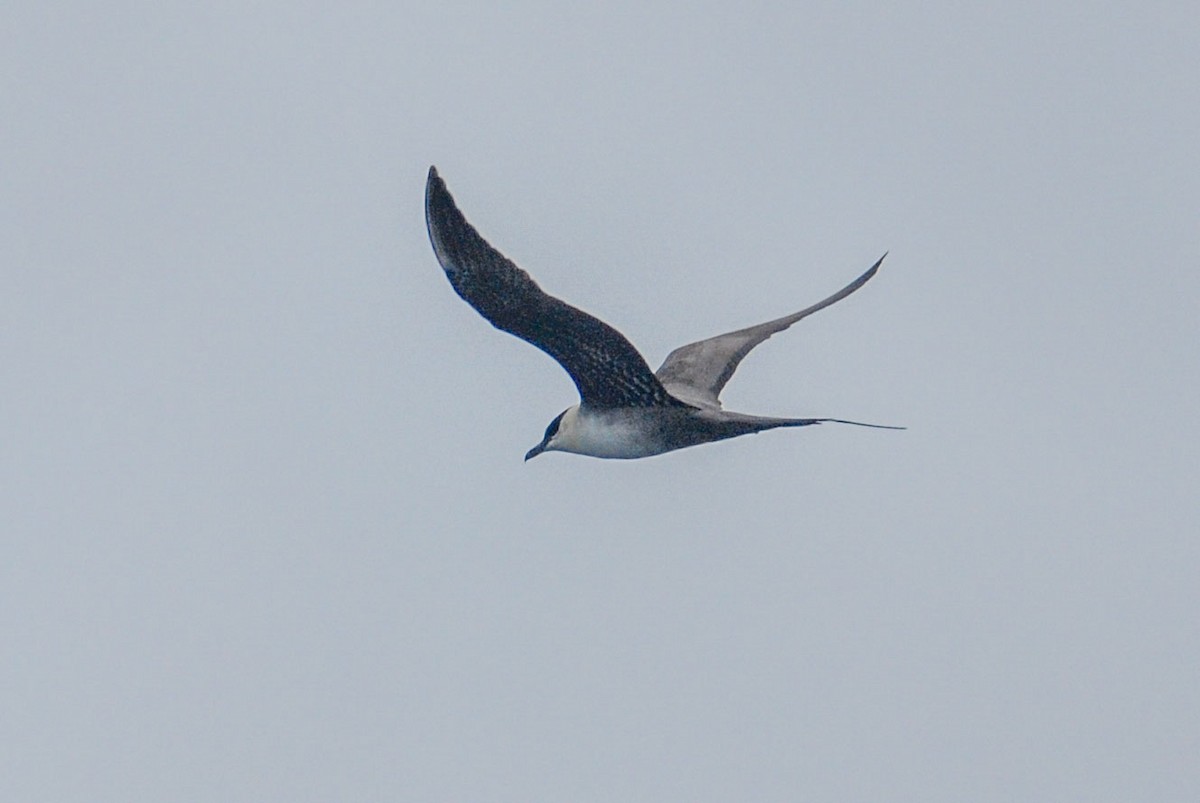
614 437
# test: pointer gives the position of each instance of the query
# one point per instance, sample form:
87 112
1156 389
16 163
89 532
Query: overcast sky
267 533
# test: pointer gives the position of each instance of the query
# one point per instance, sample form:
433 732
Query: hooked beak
535 451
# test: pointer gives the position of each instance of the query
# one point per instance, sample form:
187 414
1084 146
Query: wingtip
436 192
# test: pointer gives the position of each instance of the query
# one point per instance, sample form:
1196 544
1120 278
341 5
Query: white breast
626 433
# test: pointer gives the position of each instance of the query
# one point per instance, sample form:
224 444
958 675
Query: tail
804 422
755 423
722 424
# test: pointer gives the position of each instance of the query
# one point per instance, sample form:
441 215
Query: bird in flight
625 410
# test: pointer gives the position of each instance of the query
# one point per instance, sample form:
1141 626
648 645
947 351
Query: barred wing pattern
606 368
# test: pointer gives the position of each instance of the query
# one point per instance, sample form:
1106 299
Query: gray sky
267 532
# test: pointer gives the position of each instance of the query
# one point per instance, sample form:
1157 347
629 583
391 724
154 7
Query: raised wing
606 368
698 371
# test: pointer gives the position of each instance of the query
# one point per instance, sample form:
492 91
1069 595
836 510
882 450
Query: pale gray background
267 534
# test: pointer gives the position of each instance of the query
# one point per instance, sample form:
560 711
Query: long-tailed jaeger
625 411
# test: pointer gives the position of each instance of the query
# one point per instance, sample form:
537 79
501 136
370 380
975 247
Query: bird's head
553 437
